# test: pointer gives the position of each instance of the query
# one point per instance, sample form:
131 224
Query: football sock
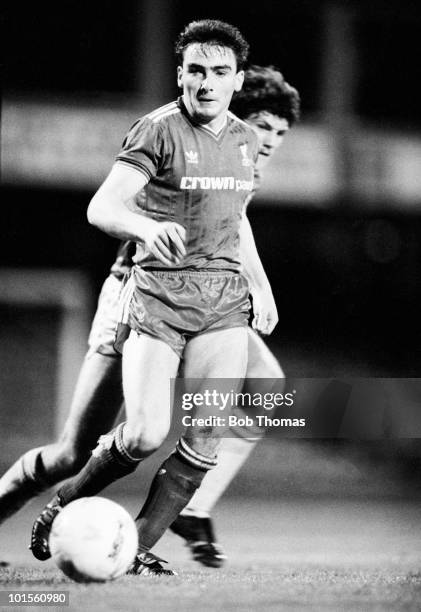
25 479
232 454
109 462
173 486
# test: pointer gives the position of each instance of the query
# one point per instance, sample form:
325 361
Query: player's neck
216 124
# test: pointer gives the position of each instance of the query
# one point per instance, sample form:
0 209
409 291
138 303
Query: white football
93 539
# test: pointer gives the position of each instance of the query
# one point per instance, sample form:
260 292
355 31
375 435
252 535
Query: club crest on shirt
191 157
246 161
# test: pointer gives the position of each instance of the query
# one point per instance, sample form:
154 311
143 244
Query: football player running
270 106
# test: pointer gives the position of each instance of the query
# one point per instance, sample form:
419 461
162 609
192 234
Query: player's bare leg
97 401
194 523
95 405
221 354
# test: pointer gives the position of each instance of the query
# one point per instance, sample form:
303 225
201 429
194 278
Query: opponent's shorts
176 305
104 326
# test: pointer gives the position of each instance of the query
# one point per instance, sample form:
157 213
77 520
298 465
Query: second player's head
269 105
210 55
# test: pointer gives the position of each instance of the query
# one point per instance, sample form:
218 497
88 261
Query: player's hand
165 240
264 310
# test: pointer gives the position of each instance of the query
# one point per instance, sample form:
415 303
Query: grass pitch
296 554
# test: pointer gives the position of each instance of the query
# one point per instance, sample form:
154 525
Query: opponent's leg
148 366
194 523
95 405
237 446
97 401
98 394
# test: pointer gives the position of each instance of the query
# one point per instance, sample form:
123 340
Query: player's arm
264 307
111 210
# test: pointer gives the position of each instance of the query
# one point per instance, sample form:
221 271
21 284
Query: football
93 539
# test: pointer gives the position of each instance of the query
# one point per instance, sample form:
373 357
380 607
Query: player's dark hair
265 89
213 32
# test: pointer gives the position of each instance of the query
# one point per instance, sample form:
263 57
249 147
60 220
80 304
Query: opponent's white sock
232 454
22 481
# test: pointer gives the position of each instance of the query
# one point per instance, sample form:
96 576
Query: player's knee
145 438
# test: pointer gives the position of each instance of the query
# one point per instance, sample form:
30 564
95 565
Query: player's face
209 78
270 130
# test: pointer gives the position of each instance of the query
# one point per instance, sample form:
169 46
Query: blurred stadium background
337 222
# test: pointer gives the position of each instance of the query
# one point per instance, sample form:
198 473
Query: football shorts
104 326
176 305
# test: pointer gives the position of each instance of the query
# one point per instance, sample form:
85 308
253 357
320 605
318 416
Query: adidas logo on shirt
191 157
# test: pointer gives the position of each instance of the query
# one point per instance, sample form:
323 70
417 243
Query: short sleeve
142 148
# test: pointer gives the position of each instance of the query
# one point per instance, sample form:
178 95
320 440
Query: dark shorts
174 306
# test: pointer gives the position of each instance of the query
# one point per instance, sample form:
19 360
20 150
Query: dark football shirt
196 178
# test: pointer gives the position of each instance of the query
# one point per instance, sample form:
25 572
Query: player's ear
180 76
239 80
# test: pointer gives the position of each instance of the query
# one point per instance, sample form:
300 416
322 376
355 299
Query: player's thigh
222 357
261 363
149 365
218 354
96 402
